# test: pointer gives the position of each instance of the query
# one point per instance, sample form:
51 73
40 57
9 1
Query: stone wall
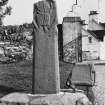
72 43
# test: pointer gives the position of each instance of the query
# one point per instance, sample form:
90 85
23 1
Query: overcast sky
22 11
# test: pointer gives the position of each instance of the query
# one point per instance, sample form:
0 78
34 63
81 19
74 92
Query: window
90 39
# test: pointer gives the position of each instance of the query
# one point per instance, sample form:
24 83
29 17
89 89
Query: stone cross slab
45 54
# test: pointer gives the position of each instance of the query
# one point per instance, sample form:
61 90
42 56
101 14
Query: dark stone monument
45 58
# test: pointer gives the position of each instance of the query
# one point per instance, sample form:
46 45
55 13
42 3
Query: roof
103 24
99 33
91 33
98 24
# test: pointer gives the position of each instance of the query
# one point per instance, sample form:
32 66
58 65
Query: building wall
90 50
93 17
102 50
70 31
72 40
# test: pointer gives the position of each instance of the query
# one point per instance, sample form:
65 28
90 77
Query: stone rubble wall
99 88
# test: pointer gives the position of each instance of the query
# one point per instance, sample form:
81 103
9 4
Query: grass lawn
18 76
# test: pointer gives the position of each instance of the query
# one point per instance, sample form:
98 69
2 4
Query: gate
72 51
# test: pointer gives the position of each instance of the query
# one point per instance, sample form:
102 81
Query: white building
93 41
90 46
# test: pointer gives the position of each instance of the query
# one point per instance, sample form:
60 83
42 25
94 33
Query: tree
4 10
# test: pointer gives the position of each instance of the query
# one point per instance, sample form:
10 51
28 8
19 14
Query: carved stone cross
45 55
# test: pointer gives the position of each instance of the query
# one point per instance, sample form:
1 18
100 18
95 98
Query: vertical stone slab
46 63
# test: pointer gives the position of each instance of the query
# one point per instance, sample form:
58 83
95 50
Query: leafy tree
4 10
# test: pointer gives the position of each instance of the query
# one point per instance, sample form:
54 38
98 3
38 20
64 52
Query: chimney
93 16
84 24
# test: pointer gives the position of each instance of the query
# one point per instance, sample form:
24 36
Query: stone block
62 99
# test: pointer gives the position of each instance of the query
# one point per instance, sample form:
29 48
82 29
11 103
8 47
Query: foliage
4 11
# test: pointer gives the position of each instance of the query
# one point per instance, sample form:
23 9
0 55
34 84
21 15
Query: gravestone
45 53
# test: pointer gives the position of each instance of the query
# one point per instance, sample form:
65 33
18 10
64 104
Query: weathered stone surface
3 104
15 98
45 56
62 99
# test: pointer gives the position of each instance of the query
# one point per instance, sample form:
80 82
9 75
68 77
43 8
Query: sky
22 10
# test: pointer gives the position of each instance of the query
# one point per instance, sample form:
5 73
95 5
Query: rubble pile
15 53
16 43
